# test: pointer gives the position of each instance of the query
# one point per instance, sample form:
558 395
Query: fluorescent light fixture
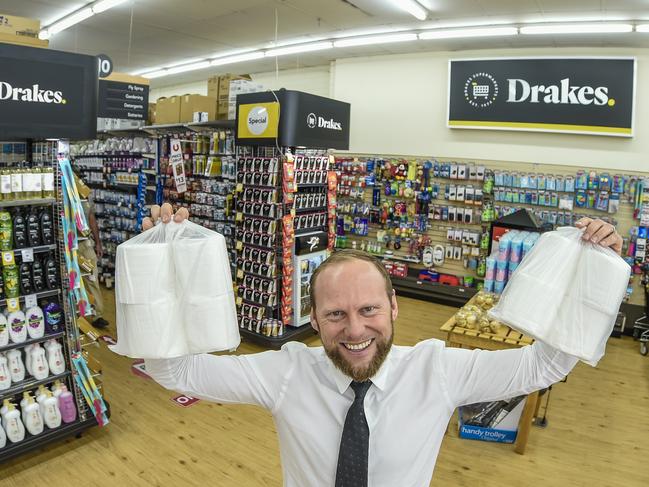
70 20
178 69
316 46
477 32
291 42
250 56
103 5
642 28
413 7
602 28
371 40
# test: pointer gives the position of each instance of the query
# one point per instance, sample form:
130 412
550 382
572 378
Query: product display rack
46 154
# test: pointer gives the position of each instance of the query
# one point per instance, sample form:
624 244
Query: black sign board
47 94
574 95
313 242
305 120
126 101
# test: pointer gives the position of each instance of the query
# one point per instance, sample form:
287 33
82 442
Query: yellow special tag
239 301
13 304
8 257
239 245
239 217
239 187
240 274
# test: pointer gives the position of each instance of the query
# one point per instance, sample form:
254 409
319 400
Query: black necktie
355 442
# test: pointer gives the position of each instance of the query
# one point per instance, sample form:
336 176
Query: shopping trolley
641 325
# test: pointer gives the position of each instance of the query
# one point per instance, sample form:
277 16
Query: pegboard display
433 214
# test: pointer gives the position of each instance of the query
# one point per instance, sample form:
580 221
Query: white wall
312 80
399 107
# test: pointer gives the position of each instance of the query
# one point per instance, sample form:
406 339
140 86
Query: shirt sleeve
473 376
260 379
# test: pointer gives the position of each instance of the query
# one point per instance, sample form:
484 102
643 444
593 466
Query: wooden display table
506 338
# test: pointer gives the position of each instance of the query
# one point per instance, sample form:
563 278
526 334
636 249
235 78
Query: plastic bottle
48 182
4 330
6 241
40 367
16 366
53 318
40 395
25 273
27 177
37 182
32 416
5 375
17 327
38 276
51 411
5 185
17 183
3 438
54 353
35 322
19 230
67 406
28 358
47 227
33 229
12 424
51 273
57 389
11 277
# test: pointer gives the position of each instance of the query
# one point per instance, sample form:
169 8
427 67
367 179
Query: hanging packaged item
566 293
174 293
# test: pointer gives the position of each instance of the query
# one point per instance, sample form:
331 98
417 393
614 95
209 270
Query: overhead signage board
123 100
594 95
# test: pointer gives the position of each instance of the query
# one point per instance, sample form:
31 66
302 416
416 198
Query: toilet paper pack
566 293
174 293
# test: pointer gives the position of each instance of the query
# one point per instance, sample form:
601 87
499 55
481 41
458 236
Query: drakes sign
47 94
575 95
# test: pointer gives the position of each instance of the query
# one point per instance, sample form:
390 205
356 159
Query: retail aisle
596 435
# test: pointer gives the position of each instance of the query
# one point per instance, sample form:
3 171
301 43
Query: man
358 411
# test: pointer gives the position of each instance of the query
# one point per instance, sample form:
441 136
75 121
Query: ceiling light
178 69
104 5
602 28
642 28
477 32
367 41
317 46
237 59
413 8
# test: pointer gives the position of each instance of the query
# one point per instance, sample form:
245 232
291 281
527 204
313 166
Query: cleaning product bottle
6 242
25 271
38 276
23 405
12 424
57 389
48 182
35 322
51 411
16 366
37 182
27 182
51 273
66 405
3 438
40 367
17 184
19 230
5 185
32 414
17 328
4 330
33 229
53 318
40 395
54 353
28 358
5 375
47 227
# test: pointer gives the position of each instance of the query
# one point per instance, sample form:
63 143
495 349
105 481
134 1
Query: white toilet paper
144 273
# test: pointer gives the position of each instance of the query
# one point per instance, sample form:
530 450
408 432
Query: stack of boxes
512 248
225 89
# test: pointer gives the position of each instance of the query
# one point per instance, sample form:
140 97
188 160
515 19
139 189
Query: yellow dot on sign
64 101
611 102
474 83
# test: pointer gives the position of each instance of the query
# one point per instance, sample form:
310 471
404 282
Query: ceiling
168 31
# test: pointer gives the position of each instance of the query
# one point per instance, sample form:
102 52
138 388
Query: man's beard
357 374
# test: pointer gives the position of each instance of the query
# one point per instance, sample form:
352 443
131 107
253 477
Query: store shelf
44 338
39 295
290 334
36 250
134 155
213 124
317 209
48 436
150 171
30 383
119 186
38 201
411 287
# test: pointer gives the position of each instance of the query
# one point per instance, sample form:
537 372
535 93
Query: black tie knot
361 388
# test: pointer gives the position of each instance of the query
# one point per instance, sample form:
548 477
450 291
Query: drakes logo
480 90
520 90
313 242
313 121
32 94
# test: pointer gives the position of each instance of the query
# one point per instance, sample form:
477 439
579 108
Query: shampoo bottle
66 406
32 414
16 366
39 365
55 356
12 424
33 229
57 389
4 330
41 395
5 375
17 328
50 410
47 228
28 358
38 276
35 322
3 438
53 318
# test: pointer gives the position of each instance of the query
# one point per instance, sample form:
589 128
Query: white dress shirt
408 406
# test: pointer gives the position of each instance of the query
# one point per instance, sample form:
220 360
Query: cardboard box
222 110
167 110
213 87
19 26
151 118
197 103
494 421
225 82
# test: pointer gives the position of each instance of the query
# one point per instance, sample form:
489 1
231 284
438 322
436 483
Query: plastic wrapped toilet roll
174 294
566 293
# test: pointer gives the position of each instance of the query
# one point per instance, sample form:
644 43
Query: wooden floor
598 433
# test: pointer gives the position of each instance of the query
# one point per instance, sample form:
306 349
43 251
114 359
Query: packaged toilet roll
566 293
174 294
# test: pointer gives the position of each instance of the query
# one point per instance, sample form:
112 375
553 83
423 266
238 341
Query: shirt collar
342 381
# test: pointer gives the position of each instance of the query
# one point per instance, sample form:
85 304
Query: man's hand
602 233
166 213
99 250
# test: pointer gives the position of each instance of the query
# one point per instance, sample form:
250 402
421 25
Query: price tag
30 301
27 255
239 274
8 257
239 245
239 188
13 304
176 161
239 301
239 217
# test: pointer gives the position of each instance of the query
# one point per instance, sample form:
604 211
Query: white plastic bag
566 293
174 294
